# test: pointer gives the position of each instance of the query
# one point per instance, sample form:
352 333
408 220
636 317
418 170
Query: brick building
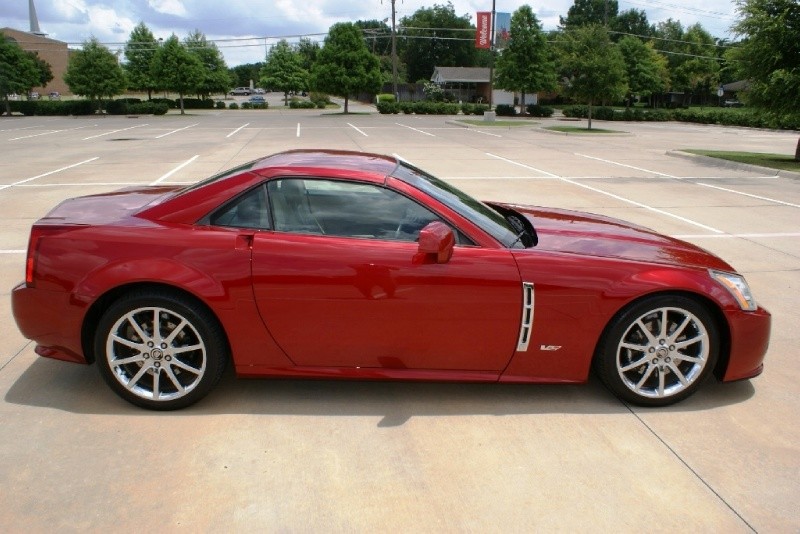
56 53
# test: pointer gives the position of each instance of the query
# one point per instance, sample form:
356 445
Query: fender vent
526 324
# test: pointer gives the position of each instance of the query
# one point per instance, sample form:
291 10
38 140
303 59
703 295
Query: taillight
33 251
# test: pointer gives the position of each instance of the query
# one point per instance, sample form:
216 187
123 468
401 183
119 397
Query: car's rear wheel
658 351
160 351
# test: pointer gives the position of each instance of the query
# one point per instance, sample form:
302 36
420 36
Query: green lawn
581 130
481 122
773 161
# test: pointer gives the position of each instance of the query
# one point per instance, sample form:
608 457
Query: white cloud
168 7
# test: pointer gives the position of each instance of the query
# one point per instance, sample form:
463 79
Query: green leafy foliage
140 49
216 78
177 69
344 65
95 73
18 71
284 70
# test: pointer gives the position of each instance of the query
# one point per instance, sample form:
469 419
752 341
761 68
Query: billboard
502 30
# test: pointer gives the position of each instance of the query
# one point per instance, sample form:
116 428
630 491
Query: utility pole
491 60
394 53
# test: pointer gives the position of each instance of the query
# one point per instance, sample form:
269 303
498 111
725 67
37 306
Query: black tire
658 351
165 369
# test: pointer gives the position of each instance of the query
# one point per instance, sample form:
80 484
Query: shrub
505 110
535 110
233 105
317 97
168 101
385 97
198 103
302 104
220 105
481 108
388 107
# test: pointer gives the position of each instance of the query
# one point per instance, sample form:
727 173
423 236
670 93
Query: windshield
488 219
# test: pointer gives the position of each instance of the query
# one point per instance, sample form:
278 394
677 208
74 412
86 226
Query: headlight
737 287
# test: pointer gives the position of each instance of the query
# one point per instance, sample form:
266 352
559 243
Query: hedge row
420 108
728 117
53 107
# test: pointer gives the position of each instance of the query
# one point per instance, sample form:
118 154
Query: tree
525 65
769 55
94 72
216 78
585 12
284 71
646 69
691 54
344 64
434 37
139 53
18 71
176 69
241 75
632 22
592 65
308 51
45 73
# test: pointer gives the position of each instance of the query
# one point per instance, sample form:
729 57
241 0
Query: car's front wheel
658 351
160 351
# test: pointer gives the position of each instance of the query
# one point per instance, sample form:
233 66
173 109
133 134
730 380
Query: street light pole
491 60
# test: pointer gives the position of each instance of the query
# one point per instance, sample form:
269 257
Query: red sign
483 35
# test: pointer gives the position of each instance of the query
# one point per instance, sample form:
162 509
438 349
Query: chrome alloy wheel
156 353
663 352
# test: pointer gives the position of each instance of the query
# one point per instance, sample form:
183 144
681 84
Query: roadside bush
168 101
388 107
198 103
233 105
302 104
505 110
318 98
535 110
147 108
219 105
385 97
53 107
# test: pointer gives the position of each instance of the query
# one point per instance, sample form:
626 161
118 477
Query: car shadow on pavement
79 389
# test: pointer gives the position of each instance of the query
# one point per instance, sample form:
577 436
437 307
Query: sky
243 29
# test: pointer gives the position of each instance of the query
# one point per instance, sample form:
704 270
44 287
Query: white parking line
743 236
415 129
479 131
298 129
750 195
46 174
357 129
175 131
176 169
628 166
237 130
551 175
612 195
13 251
51 132
83 184
113 132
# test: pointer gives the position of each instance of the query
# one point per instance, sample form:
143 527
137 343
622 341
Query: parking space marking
113 132
358 130
13 251
298 129
47 173
415 129
551 175
612 195
478 131
176 131
750 195
51 132
628 166
742 236
83 184
237 130
176 169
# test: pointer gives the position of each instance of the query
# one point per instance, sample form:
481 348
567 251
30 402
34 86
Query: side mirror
436 242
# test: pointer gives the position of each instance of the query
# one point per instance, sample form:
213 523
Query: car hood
587 234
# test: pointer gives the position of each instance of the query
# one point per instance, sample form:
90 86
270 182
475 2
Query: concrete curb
725 164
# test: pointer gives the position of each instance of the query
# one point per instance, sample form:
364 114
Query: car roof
320 160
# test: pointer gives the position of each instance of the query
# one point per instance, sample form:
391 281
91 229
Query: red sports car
329 264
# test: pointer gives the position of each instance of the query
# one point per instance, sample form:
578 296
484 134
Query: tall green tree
769 55
94 72
526 64
216 78
430 38
140 49
646 69
308 51
691 54
176 69
18 70
284 70
344 65
242 74
632 22
586 12
592 65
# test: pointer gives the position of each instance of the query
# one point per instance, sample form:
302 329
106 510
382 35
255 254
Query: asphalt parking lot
296 455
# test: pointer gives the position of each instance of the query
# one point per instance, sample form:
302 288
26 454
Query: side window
346 209
250 210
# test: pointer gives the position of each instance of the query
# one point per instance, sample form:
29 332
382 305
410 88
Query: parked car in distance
257 100
241 91
335 264
733 104
259 91
54 95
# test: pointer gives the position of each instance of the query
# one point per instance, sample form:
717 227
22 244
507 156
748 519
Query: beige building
54 52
